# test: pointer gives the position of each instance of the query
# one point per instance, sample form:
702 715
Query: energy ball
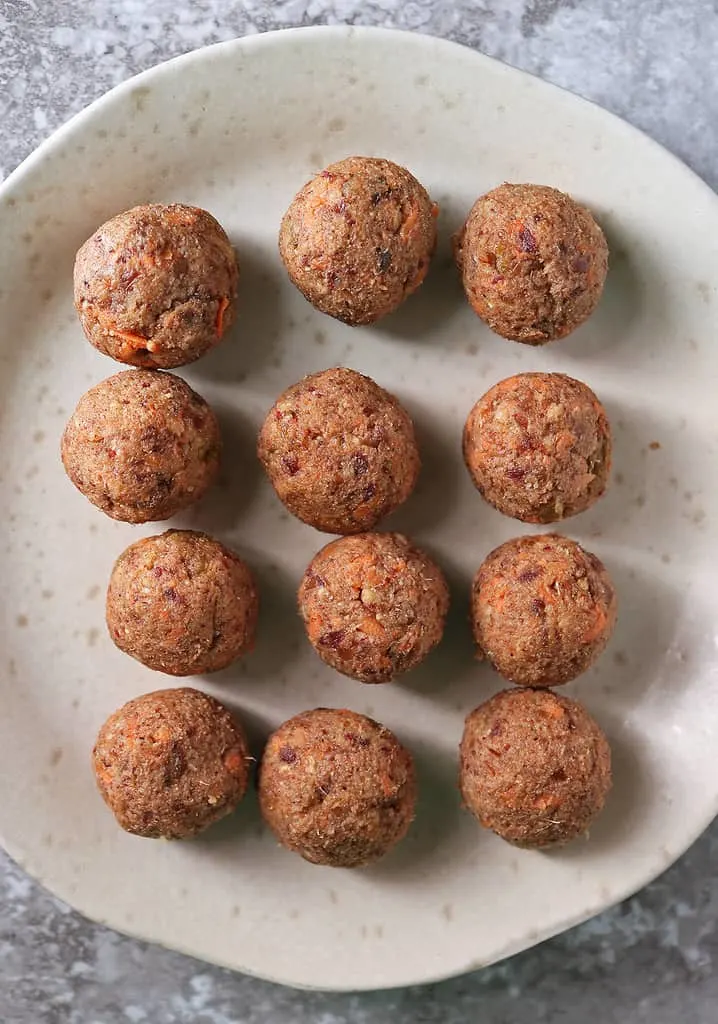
542 610
182 603
156 286
142 446
538 447
533 262
373 605
358 238
534 767
339 451
336 787
171 763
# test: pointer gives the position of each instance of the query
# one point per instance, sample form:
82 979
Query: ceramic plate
237 129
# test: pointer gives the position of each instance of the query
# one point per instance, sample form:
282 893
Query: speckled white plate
238 128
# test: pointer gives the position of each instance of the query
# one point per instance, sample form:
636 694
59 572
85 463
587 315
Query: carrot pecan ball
542 610
534 767
373 605
141 446
339 451
533 262
171 763
336 787
156 286
358 238
182 603
538 447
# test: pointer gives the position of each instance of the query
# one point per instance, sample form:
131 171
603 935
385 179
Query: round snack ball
534 767
358 238
339 451
182 603
542 609
373 605
538 447
142 446
156 286
337 787
170 763
533 262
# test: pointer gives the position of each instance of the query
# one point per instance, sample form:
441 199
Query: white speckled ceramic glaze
237 129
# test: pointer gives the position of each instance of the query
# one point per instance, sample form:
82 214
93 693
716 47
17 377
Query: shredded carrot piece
134 340
386 784
370 627
223 304
320 262
548 595
233 761
362 571
565 441
497 601
597 628
546 801
177 216
373 578
315 626
410 223
314 202
508 796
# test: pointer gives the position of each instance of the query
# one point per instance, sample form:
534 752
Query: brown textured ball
337 787
538 447
533 262
340 451
534 767
170 763
182 603
358 238
542 610
142 446
155 286
373 605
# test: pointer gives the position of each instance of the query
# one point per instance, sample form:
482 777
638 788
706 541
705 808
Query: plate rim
45 150
37 155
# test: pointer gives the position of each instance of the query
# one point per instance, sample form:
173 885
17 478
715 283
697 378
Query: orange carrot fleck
547 801
386 784
134 340
373 578
320 263
315 627
598 625
508 796
370 627
223 304
233 760
554 710
410 223
547 593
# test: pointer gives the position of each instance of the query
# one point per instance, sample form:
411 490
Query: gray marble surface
654 958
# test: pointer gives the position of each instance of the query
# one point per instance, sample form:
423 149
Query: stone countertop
655 957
